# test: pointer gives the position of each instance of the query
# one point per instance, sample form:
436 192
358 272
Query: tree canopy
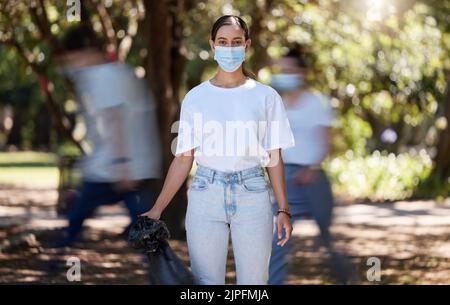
383 63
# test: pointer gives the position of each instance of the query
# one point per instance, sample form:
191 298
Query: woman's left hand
284 222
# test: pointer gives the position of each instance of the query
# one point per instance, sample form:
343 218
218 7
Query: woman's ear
211 43
248 43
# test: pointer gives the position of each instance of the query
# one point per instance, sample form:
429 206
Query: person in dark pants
123 162
96 194
308 188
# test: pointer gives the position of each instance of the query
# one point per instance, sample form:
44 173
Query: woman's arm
277 180
176 175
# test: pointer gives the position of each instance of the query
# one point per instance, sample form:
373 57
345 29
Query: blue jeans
220 203
95 194
315 201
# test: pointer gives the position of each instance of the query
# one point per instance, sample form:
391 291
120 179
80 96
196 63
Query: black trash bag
166 268
146 234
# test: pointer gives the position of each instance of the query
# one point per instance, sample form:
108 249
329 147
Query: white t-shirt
307 117
232 129
114 87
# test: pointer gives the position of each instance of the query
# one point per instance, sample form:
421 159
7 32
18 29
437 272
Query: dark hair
300 55
228 20
80 37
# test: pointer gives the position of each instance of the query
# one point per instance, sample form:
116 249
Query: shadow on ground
412 241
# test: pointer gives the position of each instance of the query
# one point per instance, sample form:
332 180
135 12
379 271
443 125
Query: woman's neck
229 79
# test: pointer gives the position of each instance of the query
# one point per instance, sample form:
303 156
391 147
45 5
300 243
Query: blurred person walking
124 161
308 188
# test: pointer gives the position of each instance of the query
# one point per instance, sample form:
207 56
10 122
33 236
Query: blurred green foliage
382 63
379 176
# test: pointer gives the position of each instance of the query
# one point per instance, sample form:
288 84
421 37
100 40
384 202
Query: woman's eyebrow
235 38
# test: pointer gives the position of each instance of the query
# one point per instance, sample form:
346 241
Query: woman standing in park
234 127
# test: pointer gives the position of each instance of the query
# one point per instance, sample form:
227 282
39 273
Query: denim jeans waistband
232 176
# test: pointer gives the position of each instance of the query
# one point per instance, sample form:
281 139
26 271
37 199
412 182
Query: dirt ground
411 240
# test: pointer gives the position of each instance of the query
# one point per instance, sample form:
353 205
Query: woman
234 127
308 189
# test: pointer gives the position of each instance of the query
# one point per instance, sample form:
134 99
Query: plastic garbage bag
166 268
146 234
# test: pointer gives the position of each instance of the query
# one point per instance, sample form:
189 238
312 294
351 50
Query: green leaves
379 176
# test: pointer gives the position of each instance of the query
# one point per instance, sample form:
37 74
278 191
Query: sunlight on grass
28 169
26 157
39 177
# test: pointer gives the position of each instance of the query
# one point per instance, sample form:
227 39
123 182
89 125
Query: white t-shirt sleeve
278 133
187 138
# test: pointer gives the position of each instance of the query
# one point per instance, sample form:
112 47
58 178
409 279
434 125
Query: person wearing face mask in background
308 188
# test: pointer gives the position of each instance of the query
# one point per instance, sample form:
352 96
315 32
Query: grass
26 157
28 169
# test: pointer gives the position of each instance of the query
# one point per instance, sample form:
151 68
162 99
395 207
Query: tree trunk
15 134
164 68
442 158
42 137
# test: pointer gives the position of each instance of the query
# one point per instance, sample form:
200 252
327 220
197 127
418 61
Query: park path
411 239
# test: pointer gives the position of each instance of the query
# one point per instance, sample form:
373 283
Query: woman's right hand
153 214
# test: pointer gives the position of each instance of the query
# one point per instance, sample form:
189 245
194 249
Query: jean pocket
255 184
199 183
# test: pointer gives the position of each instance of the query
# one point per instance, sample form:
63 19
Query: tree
19 21
384 68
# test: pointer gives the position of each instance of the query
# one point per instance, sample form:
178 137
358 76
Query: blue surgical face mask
286 82
229 58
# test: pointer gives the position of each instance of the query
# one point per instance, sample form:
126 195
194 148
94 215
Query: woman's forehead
230 31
